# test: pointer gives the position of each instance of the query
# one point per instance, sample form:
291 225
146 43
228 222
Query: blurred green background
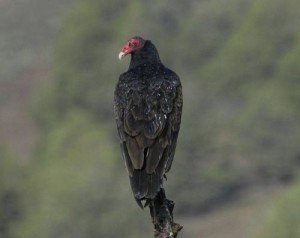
237 163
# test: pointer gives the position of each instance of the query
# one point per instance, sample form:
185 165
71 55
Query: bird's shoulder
141 81
129 82
171 76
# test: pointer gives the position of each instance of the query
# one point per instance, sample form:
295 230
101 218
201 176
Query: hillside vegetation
282 217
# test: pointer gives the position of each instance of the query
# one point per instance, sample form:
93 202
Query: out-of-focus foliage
10 192
255 114
283 217
239 64
26 27
77 187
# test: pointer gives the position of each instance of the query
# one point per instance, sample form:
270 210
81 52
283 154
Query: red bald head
134 44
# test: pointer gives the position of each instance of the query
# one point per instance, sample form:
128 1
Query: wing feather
148 121
126 158
154 155
174 126
135 152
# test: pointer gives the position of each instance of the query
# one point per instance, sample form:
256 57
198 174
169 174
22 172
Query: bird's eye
135 44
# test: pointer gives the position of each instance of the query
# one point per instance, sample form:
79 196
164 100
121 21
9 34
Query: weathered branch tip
161 210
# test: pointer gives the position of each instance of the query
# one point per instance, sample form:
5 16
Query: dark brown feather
153 157
136 153
126 158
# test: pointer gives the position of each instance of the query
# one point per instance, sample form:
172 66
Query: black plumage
148 105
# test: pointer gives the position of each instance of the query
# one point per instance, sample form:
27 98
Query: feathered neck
145 56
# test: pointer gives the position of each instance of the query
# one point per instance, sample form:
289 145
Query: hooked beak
125 51
121 55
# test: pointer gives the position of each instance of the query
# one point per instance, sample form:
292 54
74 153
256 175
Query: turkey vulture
148 105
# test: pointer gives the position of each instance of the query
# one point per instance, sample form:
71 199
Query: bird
148 107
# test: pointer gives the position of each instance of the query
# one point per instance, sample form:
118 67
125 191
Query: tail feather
143 185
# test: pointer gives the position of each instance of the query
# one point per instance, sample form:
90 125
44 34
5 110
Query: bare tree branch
161 210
